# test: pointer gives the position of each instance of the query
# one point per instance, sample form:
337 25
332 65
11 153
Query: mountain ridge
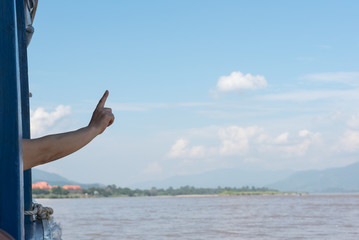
221 177
331 180
56 180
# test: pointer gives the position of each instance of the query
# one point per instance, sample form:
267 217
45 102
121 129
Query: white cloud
153 168
283 147
351 78
247 142
282 138
262 138
349 142
301 146
353 121
237 81
311 95
304 133
298 149
197 152
41 120
179 149
235 140
137 107
143 107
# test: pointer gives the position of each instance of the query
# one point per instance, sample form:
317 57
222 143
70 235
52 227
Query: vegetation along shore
114 191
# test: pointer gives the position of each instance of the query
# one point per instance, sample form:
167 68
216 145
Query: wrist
93 131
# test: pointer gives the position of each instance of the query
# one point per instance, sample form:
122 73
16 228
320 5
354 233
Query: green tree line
114 191
55 192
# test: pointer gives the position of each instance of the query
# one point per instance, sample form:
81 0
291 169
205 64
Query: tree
40 191
59 191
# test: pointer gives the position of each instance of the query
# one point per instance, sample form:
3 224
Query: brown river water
212 217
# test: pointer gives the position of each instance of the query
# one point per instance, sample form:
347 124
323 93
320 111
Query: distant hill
222 177
333 180
55 179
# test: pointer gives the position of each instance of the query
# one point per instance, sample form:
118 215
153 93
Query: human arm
50 148
5 236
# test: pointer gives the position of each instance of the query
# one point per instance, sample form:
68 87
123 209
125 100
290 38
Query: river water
238 217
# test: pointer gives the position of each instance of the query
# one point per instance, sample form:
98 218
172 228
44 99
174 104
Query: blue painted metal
25 106
39 230
11 170
35 230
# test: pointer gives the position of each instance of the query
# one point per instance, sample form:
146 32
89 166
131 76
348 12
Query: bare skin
5 236
50 148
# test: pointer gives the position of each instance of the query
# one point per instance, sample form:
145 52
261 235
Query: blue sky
198 85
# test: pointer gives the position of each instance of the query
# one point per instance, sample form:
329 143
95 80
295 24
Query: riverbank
223 194
114 191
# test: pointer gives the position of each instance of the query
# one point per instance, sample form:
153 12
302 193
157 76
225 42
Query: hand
102 117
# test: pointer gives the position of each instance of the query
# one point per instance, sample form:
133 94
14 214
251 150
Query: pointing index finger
102 101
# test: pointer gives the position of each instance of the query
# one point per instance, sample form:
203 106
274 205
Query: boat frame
15 184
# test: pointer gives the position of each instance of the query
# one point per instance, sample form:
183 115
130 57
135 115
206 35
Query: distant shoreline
114 191
177 196
285 194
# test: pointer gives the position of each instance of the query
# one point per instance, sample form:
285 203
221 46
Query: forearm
50 148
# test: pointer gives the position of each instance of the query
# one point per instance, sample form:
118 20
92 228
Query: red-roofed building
41 185
72 187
